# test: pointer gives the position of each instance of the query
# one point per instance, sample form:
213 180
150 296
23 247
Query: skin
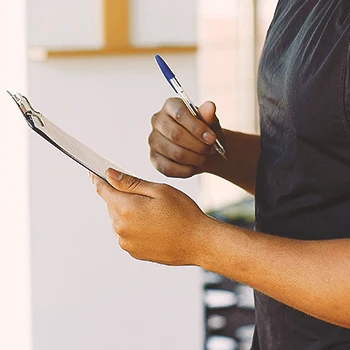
306 275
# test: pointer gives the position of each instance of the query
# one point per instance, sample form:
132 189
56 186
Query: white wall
157 22
56 24
15 321
86 292
220 27
85 289
78 23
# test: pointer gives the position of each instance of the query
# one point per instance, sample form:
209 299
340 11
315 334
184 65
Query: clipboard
64 142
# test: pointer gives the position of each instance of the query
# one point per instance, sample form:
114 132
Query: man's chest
302 73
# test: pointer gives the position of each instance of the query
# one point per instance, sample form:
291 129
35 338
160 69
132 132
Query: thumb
128 184
207 111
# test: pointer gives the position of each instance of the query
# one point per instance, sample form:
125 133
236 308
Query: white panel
15 325
79 23
158 22
218 8
65 23
247 65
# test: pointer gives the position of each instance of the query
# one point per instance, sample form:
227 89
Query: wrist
202 247
224 249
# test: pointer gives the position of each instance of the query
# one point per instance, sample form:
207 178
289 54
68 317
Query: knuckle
163 169
166 169
123 212
153 158
164 188
115 225
155 118
196 129
190 172
151 139
154 140
169 102
178 155
181 112
159 168
157 162
132 182
175 135
123 243
174 107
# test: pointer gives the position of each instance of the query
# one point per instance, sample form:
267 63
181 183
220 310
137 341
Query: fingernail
115 175
209 137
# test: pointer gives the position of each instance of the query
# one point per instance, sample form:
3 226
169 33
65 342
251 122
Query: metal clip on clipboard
66 143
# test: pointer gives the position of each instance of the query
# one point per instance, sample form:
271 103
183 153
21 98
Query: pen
170 77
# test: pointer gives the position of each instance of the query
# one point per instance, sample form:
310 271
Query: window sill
39 54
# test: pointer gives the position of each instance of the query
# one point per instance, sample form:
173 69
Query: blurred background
88 66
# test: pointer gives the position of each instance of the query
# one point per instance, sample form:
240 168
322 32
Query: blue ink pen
170 77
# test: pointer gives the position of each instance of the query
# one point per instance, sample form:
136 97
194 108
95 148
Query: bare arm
311 276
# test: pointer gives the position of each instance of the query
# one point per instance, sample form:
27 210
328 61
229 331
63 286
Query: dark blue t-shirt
303 178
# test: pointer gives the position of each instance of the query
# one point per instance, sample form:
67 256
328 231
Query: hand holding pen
181 145
175 84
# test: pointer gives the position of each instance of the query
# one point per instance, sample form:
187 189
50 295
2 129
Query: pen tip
220 149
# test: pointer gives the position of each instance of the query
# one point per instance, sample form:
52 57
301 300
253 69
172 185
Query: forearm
311 276
242 151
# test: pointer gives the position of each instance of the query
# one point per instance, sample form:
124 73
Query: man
298 260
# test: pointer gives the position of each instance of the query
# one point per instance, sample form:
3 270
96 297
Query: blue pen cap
164 68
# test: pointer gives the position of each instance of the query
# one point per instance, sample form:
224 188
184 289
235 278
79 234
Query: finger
170 168
180 113
178 154
129 184
177 134
103 188
207 111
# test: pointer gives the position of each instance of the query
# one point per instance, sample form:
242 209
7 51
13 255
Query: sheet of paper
75 149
